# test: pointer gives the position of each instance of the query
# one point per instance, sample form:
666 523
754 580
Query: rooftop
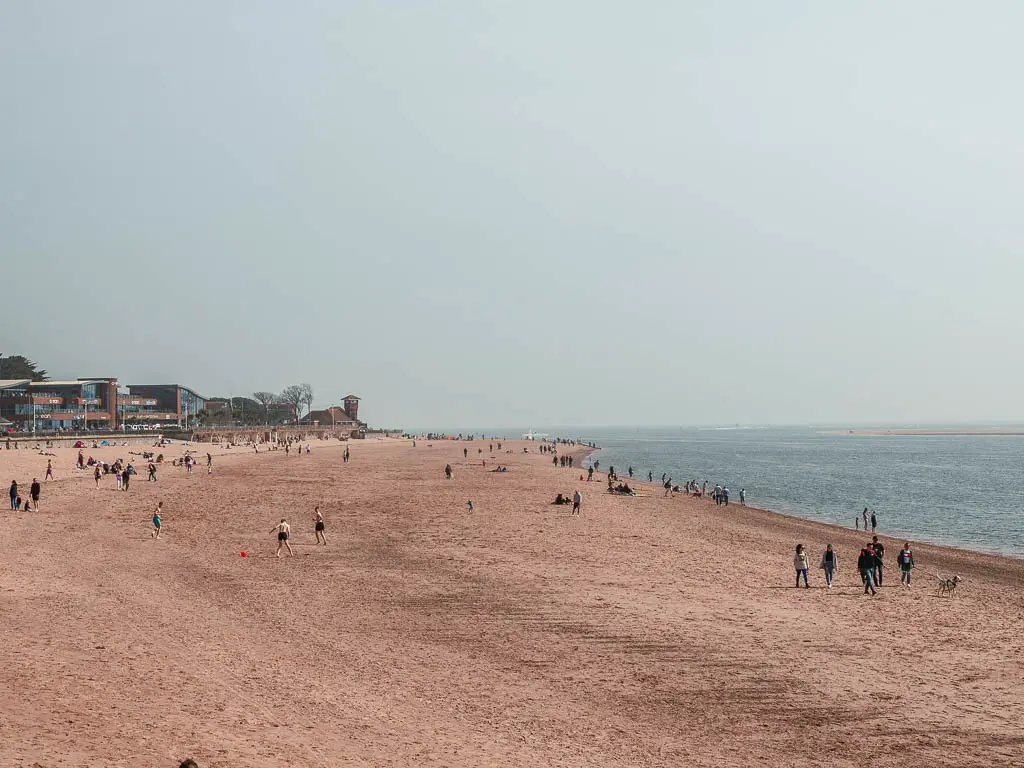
11 383
67 383
179 386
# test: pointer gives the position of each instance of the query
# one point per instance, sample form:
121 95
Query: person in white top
801 565
577 500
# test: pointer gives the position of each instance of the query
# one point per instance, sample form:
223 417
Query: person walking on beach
96 475
49 469
448 471
577 500
866 566
668 486
283 532
318 526
650 476
125 477
801 564
34 491
856 522
590 474
465 452
743 497
874 521
209 464
14 493
157 521
469 504
152 472
829 564
879 550
865 518
119 478
905 559
81 460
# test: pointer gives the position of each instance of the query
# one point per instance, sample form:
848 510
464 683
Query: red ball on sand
245 554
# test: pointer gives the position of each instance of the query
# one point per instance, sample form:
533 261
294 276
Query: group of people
122 473
562 461
29 504
870 565
283 530
872 519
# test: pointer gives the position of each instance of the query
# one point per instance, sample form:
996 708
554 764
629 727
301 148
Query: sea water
965 491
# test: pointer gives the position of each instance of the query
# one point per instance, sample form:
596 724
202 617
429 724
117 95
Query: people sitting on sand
561 499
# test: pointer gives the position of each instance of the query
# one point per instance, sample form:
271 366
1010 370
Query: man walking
577 500
866 566
879 549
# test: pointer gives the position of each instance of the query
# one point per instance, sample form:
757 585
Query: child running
283 532
157 522
319 527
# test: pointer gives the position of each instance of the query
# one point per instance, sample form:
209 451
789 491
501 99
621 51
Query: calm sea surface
964 491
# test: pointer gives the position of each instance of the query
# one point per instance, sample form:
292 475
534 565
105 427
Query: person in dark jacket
879 550
866 566
14 492
35 491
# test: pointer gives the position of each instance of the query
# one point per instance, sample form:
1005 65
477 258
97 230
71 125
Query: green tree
20 367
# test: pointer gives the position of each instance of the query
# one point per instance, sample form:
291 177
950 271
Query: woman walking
157 520
829 564
801 565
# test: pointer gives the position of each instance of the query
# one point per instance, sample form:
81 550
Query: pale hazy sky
516 213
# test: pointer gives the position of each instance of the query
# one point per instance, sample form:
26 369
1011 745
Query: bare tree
265 399
295 396
307 396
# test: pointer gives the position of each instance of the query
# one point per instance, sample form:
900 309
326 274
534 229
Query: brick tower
352 406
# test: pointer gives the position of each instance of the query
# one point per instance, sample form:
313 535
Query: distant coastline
968 432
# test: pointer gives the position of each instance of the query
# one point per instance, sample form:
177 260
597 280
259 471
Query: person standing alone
577 500
34 492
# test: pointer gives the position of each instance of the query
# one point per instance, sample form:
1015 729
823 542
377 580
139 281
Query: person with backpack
801 565
829 564
866 566
905 560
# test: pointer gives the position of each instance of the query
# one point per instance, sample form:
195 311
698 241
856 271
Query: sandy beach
649 631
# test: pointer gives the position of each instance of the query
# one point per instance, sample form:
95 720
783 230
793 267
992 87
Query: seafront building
94 403
152 404
99 404
49 406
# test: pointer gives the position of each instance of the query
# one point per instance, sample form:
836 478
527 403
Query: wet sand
648 631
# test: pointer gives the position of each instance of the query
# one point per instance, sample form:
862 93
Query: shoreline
896 532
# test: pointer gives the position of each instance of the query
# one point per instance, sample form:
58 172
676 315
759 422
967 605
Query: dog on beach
948 586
